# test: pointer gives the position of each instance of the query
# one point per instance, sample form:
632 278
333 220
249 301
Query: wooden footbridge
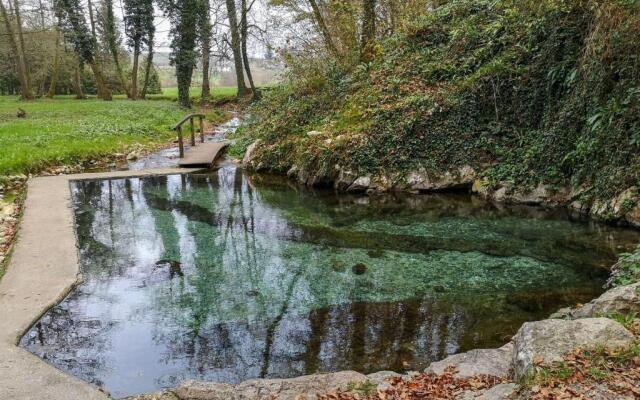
201 155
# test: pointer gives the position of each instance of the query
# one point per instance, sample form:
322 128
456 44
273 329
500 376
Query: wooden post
180 142
201 129
193 132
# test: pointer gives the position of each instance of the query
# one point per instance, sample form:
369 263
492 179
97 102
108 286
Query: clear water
224 278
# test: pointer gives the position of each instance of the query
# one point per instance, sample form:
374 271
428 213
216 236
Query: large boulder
619 300
302 388
494 362
548 341
196 390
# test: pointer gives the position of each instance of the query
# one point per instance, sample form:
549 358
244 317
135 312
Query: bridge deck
202 155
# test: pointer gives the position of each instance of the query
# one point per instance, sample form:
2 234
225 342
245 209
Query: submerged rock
359 269
494 362
547 341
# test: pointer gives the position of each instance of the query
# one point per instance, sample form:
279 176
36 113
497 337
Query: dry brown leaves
423 386
591 373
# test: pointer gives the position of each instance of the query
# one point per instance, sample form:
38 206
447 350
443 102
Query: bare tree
18 48
236 46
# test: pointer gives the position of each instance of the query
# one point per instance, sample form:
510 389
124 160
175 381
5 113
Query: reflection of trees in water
360 335
70 343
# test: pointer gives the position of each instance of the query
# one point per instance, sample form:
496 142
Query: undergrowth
524 91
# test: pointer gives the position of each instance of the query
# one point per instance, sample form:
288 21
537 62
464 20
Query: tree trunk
18 49
368 29
55 69
92 20
205 39
100 83
147 72
134 71
322 25
77 83
235 46
245 57
110 35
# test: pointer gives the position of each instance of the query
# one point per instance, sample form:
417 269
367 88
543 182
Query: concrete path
42 271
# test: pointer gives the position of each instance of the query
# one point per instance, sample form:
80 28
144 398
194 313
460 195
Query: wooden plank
202 155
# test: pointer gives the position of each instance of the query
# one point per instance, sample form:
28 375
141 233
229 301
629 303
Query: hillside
511 95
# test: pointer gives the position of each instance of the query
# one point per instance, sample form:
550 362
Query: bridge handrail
178 129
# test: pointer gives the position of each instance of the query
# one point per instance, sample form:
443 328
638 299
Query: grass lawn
218 94
65 130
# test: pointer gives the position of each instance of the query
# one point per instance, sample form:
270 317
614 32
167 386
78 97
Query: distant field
66 130
224 93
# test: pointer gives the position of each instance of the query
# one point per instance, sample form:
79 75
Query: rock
132 156
196 390
382 379
617 207
360 185
250 154
314 133
302 388
164 395
620 300
549 340
536 196
499 392
494 362
421 180
633 216
345 180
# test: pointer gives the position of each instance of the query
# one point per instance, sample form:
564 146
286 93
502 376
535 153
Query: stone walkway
42 271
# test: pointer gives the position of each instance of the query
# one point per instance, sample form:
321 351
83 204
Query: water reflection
224 278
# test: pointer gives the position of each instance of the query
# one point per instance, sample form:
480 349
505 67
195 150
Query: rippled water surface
224 278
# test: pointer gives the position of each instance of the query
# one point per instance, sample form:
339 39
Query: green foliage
64 131
184 16
627 269
525 91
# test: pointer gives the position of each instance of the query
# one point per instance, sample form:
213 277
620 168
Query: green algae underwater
227 277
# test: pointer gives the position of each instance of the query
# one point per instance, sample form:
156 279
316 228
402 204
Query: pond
227 277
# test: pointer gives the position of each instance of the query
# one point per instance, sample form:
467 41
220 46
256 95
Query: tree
111 37
368 29
139 28
235 47
55 68
75 27
244 33
148 70
322 26
205 43
184 21
17 47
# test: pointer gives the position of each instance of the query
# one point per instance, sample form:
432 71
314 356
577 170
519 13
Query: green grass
218 94
64 130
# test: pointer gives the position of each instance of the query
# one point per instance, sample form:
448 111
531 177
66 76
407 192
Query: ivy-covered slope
526 92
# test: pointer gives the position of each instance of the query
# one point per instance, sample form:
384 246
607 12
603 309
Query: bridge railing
178 128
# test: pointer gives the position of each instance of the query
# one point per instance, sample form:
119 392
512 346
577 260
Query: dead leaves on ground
423 386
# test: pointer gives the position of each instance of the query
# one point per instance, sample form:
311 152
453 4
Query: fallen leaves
423 386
